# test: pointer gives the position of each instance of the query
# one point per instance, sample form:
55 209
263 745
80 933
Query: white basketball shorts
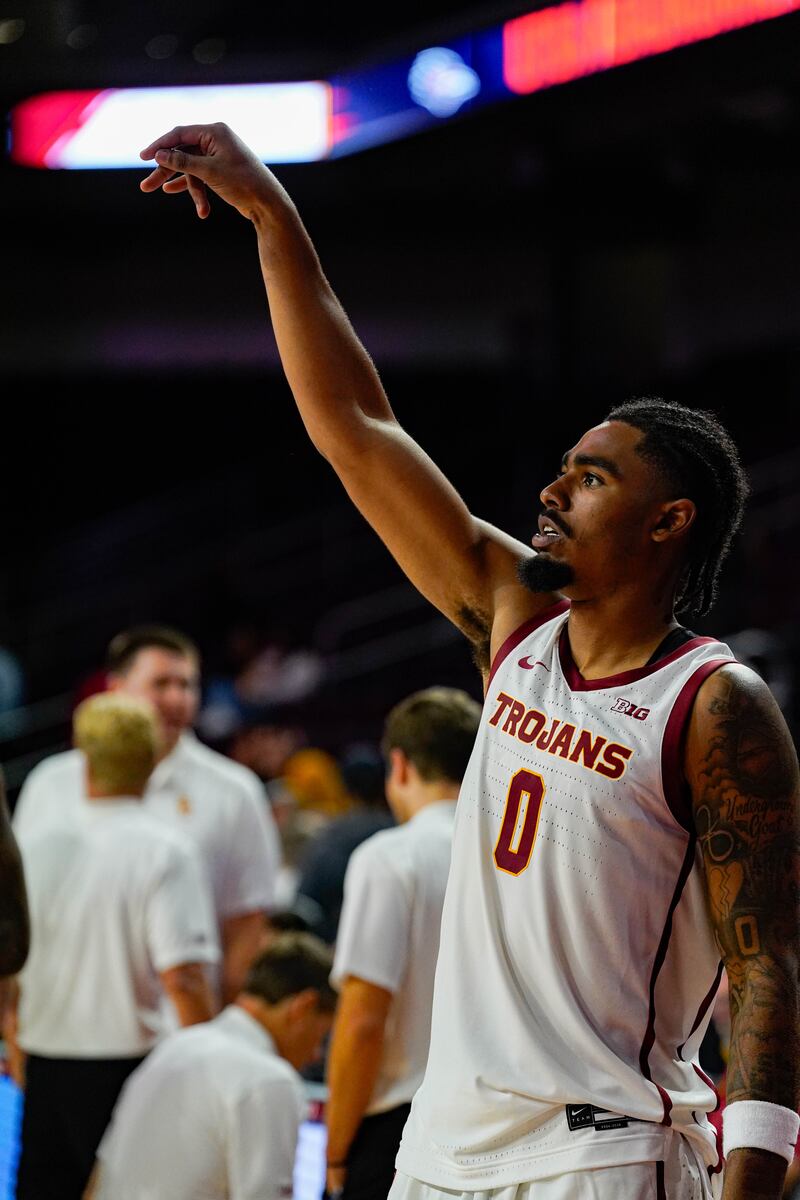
680 1177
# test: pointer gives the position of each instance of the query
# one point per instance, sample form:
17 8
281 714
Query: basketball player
630 812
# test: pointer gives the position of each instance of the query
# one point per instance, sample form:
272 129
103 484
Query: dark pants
68 1104
370 1163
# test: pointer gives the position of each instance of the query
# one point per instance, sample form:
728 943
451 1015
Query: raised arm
462 565
742 770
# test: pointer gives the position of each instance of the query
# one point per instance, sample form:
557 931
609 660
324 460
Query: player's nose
555 495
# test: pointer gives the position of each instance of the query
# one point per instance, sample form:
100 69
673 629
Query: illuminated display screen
555 45
282 122
305 122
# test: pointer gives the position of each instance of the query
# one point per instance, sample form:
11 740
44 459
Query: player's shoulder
166 844
386 851
56 769
735 696
738 738
50 793
246 1074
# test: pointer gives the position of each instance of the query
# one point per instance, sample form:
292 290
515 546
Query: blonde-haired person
221 805
120 913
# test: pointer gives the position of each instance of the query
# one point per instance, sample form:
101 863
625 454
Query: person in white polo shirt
220 804
388 942
120 909
215 1110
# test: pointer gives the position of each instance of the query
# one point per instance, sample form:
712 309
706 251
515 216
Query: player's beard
540 573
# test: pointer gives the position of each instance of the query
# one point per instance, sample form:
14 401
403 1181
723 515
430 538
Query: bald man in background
120 913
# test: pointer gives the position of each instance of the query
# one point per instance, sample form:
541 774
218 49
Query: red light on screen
38 125
565 42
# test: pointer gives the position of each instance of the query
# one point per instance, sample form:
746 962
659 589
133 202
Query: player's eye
592 480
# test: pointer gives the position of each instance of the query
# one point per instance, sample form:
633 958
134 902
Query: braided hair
697 456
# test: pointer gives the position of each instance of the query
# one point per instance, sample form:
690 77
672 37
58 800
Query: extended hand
194 157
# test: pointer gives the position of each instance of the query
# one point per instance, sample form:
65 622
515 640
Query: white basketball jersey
577 964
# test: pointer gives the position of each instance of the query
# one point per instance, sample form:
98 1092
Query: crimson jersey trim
577 683
673 779
650 1032
519 635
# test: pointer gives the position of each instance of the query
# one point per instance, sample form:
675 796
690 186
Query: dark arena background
516 260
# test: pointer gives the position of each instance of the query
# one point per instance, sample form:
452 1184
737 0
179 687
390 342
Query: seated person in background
389 941
120 909
215 1111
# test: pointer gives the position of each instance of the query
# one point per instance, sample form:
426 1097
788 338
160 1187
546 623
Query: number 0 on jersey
520 822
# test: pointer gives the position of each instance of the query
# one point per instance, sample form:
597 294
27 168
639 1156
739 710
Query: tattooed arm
743 774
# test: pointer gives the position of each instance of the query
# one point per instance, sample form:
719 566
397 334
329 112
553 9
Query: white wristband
759 1125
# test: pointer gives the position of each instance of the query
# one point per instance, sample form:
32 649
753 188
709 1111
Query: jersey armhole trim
673 782
513 640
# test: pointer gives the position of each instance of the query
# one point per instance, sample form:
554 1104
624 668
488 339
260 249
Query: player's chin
544 572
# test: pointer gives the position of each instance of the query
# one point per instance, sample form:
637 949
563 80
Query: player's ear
398 766
674 519
304 1003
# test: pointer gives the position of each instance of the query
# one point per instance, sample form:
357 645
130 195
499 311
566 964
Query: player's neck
609 637
430 793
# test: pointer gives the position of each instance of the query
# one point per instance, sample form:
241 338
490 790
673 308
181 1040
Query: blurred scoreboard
312 120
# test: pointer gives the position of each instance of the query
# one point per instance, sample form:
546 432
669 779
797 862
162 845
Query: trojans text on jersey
554 736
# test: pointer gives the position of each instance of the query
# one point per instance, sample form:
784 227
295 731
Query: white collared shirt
219 804
389 936
115 898
213 1114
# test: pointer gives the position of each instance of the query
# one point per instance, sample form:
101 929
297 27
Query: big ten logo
630 710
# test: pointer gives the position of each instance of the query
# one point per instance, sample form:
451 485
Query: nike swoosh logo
537 662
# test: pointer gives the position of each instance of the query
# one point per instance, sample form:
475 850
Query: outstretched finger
197 190
178 184
174 162
156 179
181 135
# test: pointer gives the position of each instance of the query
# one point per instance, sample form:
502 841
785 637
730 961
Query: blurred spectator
259 674
388 942
220 805
119 904
315 780
280 675
266 749
215 1111
321 886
